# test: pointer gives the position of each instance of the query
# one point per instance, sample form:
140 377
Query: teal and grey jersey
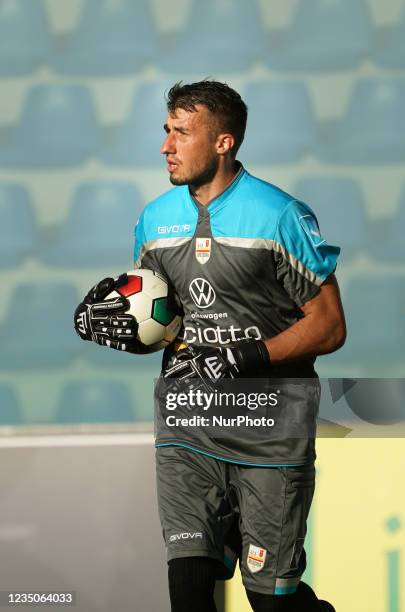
242 266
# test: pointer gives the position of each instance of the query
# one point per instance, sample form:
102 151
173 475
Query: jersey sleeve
140 240
144 256
303 257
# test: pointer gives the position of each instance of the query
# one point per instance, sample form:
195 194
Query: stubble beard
203 177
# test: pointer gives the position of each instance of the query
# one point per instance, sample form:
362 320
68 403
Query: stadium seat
324 35
24 37
18 230
339 206
392 247
139 139
390 45
372 130
38 328
220 35
99 229
57 128
375 315
281 122
95 402
10 410
114 37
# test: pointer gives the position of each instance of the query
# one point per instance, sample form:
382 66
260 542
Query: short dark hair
219 98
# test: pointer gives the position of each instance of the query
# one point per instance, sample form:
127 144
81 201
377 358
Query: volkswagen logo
202 292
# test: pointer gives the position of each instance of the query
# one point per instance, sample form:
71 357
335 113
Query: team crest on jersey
256 558
202 249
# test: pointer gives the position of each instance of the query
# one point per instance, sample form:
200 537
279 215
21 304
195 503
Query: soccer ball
152 306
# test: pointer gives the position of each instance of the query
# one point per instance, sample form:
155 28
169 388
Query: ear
224 143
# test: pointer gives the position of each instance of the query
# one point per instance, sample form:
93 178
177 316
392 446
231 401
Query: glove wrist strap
251 356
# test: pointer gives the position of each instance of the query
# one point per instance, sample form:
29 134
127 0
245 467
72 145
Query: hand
243 359
200 362
105 321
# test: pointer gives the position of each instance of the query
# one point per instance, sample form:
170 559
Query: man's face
189 146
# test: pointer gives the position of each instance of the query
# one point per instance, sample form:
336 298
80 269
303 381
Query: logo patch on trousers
256 558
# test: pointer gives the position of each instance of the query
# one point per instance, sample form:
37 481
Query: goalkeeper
255 278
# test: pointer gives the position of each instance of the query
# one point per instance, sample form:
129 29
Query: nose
168 145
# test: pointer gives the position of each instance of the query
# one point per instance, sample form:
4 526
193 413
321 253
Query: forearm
321 330
308 337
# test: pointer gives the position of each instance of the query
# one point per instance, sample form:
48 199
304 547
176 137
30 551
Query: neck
209 191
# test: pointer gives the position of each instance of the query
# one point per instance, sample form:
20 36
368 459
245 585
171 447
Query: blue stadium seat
139 139
114 37
57 128
375 314
324 35
24 37
392 247
38 328
220 35
95 402
390 45
99 228
10 410
339 205
281 122
373 128
18 230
